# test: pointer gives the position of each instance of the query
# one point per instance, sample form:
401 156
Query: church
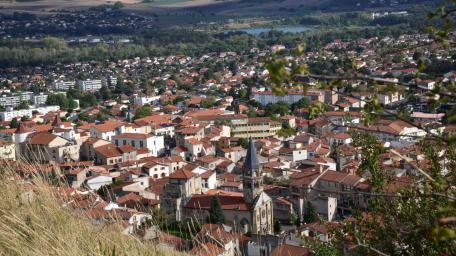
248 212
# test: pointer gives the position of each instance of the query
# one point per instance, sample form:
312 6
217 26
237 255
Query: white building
61 85
9 115
39 99
16 99
97 182
90 85
264 98
142 100
155 144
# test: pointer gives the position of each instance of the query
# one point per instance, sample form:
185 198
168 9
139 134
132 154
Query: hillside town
200 155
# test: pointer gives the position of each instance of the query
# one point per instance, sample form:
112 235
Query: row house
155 144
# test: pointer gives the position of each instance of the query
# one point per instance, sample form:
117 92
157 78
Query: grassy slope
42 227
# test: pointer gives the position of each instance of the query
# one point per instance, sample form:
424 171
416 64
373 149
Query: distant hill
221 7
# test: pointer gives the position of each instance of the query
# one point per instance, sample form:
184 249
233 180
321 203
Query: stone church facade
250 212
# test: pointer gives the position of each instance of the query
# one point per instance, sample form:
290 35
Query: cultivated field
221 7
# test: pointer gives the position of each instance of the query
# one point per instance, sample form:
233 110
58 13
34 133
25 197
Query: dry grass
32 222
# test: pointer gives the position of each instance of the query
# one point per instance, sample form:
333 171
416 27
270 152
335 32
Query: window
124 142
133 143
141 144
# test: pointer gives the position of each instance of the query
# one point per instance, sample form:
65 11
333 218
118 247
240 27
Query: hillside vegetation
32 222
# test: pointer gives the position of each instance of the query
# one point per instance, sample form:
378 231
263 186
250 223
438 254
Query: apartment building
90 85
15 99
39 99
9 115
61 85
254 127
266 97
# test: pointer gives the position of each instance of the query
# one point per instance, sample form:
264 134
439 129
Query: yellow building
255 127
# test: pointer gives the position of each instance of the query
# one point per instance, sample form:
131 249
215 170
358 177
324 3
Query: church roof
251 160
227 202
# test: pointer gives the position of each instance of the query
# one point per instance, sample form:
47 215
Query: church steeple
251 173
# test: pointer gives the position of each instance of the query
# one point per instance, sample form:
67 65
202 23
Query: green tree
208 102
88 100
61 100
310 214
277 226
118 5
316 109
233 67
105 93
216 214
243 142
280 108
23 105
142 112
302 103
14 123
294 219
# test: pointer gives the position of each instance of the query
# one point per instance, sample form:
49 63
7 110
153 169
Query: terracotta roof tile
181 174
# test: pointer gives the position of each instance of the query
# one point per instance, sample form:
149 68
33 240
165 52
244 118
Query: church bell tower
252 180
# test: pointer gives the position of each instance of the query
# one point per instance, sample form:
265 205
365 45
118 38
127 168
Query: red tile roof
108 151
181 174
41 138
133 136
227 202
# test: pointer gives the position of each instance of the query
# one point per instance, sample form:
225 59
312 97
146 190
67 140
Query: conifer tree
216 215
310 214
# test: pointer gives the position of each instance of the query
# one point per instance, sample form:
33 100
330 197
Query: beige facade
256 128
45 147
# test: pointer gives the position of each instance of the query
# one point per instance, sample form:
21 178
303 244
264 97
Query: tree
120 85
280 108
208 102
316 109
118 5
286 132
233 67
61 100
23 105
105 93
243 142
87 100
302 103
142 112
216 214
14 123
277 226
294 219
310 214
